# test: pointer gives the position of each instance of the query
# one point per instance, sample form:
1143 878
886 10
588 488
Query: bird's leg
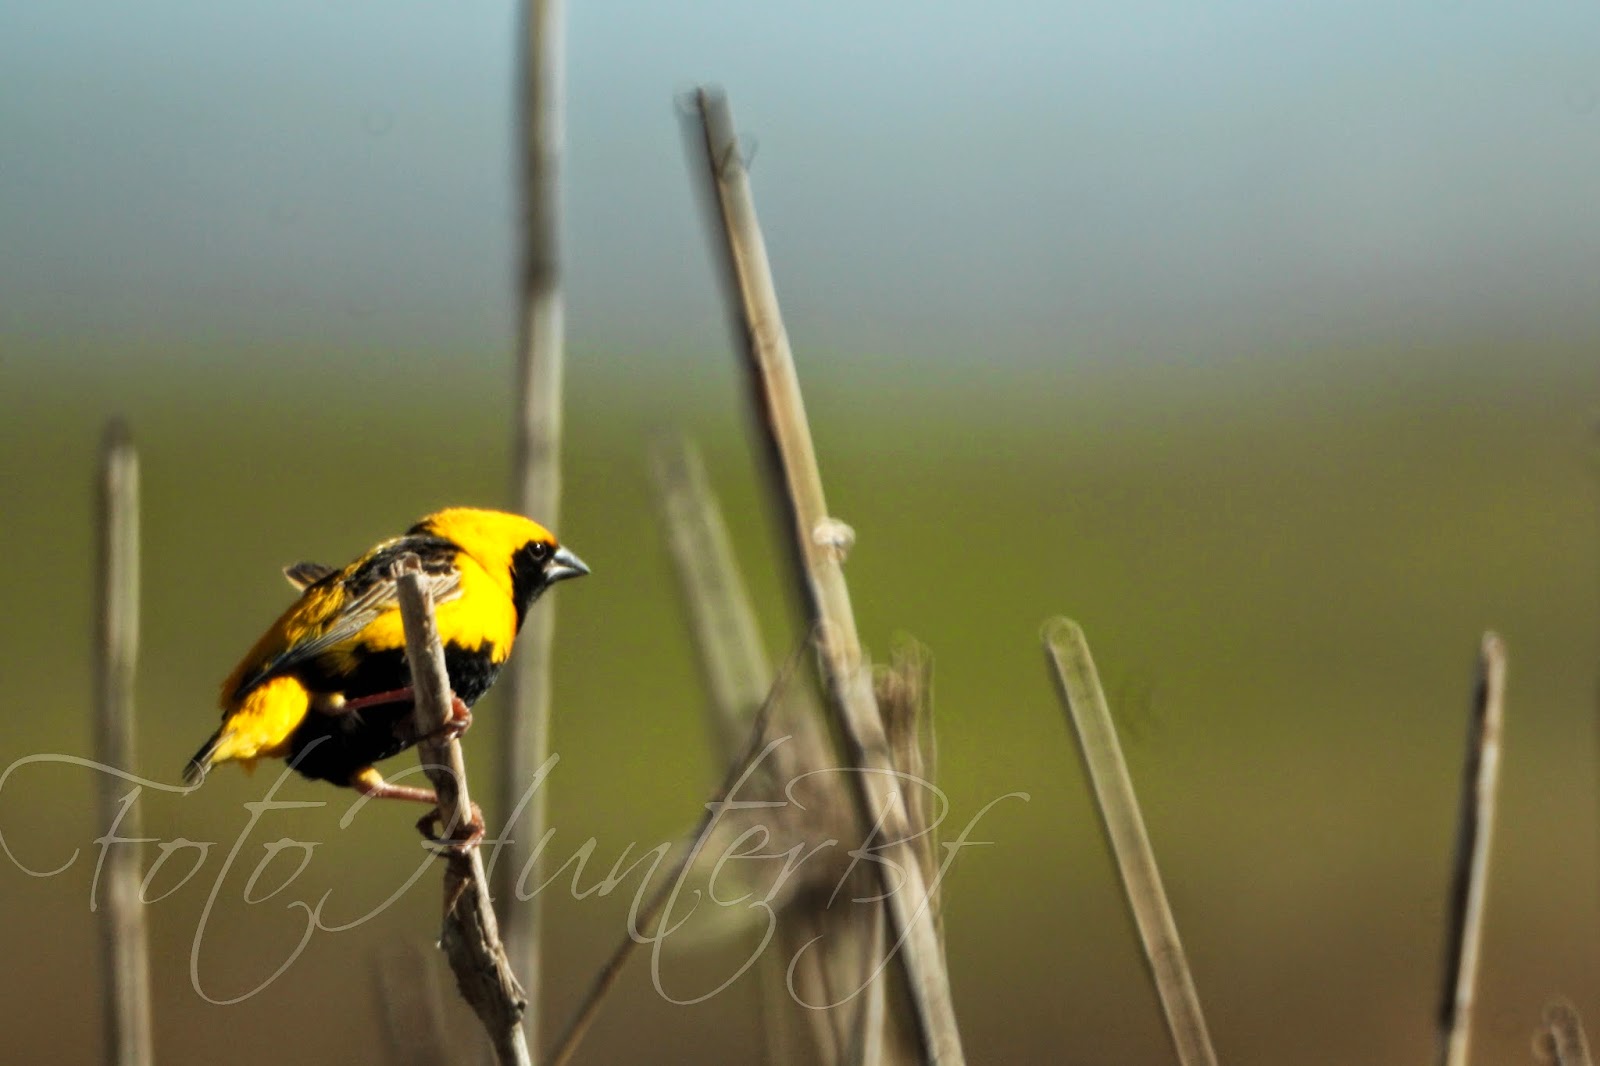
378 699
454 726
369 782
461 839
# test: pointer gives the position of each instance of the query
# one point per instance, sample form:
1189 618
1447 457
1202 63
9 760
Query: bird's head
507 544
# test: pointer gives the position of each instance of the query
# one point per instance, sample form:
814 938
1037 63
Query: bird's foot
461 840
456 726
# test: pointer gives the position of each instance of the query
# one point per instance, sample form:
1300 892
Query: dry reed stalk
410 1008
471 936
739 770
1480 779
905 695
875 1039
124 941
537 473
730 653
1079 687
736 674
818 543
1560 1040
722 622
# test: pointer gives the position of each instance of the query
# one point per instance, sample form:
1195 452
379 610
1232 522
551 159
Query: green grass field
1283 566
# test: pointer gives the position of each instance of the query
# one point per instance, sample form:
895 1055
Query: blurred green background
1267 356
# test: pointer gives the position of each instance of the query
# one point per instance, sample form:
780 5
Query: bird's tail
260 727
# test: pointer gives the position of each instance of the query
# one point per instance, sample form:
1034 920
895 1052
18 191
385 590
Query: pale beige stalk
471 935
1079 687
819 544
124 941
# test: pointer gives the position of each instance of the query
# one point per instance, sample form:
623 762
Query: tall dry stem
471 935
734 666
1078 684
1560 1040
410 1008
754 752
1480 778
819 543
124 941
536 459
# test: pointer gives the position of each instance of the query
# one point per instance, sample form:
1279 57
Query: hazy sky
1014 180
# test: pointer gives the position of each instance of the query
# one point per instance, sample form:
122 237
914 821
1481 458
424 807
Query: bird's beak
563 564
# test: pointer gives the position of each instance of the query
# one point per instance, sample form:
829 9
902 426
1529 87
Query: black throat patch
527 576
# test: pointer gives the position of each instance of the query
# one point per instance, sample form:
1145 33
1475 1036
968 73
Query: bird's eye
540 551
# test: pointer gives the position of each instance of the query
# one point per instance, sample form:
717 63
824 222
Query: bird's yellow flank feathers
260 726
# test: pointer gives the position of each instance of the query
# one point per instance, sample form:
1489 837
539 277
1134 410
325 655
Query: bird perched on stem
327 686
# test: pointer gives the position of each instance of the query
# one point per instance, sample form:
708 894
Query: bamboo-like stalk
1078 685
818 544
471 936
1560 1040
727 641
905 695
738 769
536 471
124 941
722 621
1480 779
410 1008
733 664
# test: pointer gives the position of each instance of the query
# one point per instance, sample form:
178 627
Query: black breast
333 747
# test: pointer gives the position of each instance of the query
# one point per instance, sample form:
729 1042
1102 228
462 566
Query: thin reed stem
471 936
124 941
1561 1040
722 621
1078 685
536 471
1480 778
738 770
733 664
818 543
410 1008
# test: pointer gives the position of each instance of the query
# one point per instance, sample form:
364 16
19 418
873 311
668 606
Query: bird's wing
331 612
303 575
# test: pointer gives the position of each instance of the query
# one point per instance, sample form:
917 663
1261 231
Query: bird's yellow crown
492 538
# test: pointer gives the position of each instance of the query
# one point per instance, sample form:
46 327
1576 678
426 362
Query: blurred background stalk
536 457
124 941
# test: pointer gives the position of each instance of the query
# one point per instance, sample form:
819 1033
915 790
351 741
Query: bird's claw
461 840
456 726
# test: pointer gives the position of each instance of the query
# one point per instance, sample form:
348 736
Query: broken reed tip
1060 629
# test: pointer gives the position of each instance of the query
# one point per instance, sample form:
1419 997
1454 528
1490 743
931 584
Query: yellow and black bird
327 686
